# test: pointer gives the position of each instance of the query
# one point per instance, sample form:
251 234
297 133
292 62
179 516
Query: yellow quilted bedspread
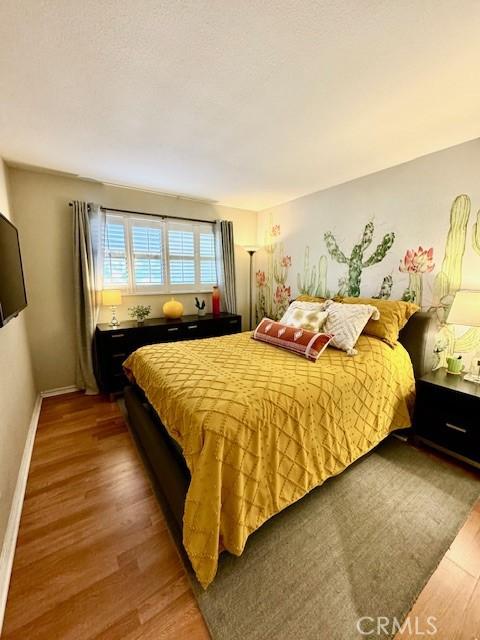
260 427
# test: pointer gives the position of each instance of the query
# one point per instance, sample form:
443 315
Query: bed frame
163 456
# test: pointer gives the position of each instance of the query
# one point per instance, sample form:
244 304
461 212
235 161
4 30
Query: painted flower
417 261
261 278
286 261
276 230
282 293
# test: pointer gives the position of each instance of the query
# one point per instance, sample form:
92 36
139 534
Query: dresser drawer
229 325
192 330
117 341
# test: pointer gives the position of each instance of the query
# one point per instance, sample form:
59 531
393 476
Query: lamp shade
111 297
465 309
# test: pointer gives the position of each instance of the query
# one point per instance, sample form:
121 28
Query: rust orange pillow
305 343
394 315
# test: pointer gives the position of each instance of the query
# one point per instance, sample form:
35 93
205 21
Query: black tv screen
13 297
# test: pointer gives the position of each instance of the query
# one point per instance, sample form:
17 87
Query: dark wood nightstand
447 415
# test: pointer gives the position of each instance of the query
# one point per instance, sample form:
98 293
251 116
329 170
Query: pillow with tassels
346 323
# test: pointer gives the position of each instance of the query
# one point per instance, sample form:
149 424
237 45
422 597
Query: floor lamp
251 251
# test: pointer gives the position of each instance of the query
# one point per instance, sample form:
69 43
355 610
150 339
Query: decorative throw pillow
301 341
346 322
394 315
305 315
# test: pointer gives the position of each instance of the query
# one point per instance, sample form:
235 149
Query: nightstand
447 415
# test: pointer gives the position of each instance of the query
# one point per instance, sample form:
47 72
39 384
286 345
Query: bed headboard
418 338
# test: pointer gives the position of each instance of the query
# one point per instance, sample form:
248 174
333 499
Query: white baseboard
8 550
58 392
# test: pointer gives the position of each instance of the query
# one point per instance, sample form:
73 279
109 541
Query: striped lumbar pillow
301 341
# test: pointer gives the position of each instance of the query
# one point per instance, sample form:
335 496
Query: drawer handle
232 321
455 428
119 355
192 326
172 329
118 335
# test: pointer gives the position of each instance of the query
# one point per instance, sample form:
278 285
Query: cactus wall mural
428 276
449 280
313 282
356 262
416 262
476 235
273 291
385 289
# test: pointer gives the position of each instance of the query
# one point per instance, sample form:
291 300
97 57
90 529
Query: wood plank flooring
95 560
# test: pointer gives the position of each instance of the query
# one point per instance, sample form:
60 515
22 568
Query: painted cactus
416 263
357 262
314 280
476 234
447 344
386 289
449 280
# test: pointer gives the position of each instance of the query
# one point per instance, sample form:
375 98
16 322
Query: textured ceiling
246 102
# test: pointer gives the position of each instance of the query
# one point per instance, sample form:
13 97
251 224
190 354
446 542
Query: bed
235 430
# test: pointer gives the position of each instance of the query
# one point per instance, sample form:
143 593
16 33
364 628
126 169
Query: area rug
363 544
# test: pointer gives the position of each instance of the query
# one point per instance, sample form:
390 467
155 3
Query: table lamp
112 298
465 310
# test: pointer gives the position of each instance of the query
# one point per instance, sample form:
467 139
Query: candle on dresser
216 301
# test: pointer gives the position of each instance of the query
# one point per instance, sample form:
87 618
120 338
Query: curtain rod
156 215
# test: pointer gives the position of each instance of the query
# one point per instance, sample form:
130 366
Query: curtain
225 251
88 246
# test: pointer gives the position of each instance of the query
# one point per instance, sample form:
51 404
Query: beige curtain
225 250
88 247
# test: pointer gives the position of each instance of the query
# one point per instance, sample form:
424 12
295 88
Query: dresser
447 415
113 344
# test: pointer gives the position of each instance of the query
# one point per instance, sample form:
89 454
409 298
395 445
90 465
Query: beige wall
40 202
17 392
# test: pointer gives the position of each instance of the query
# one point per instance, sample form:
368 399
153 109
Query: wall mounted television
13 297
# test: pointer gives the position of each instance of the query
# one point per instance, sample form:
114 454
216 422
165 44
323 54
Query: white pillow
346 323
305 315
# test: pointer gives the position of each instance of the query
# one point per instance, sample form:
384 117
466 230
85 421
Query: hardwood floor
95 560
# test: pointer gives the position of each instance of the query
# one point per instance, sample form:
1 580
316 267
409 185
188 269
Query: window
181 256
151 255
147 254
115 272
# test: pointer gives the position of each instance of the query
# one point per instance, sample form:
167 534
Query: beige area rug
363 544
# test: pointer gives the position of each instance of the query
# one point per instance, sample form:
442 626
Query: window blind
151 255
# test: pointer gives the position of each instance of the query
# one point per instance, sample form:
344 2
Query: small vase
216 301
201 312
140 323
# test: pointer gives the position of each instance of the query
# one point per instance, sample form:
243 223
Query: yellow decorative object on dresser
173 309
